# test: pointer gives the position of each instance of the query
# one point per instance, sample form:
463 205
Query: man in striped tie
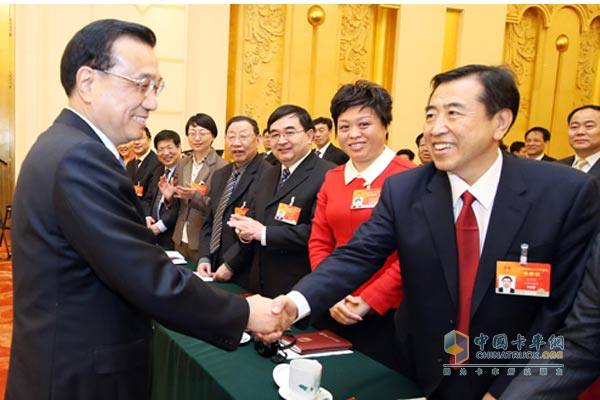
232 191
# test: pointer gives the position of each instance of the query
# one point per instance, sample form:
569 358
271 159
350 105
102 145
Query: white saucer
322 394
245 338
281 375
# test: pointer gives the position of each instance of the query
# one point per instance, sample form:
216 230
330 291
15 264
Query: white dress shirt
484 190
591 160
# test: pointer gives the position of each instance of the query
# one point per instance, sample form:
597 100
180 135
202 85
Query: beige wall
192 48
419 52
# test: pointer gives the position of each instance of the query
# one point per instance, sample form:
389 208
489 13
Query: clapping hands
270 318
246 228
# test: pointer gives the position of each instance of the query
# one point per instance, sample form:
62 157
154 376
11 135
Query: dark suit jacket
581 355
87 278
170 209
548 158
194 210
144 174
270 158
594 171
277 266
335 155
552 208
230 250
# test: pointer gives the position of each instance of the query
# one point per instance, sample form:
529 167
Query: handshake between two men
270 318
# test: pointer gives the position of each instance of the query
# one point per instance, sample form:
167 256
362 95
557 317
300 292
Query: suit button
439 360
452 322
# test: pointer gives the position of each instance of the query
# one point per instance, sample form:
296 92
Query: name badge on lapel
139 190
523 278
199 187
365 198
288 213
243 210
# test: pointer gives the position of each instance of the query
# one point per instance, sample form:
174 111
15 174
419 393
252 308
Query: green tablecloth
187 368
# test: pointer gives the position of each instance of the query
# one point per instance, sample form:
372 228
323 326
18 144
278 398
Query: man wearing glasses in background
87 277
279 225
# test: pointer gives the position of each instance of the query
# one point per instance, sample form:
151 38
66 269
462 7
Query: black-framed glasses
145 85
275 136
275 350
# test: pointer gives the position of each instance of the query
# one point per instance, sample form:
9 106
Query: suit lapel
437 204
300 175
508 214
245 180
595 170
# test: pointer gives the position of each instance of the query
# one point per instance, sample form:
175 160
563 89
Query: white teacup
305 379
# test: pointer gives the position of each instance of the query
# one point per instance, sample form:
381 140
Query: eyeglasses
242 137
275 136
199 134
276 350
145 85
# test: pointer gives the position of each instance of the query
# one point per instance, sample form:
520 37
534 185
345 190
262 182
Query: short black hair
324 121
507 277
167 134
517 145
585 107
287 109
239 118
418 139
147 131
204 121
545 132
362 93
499 87
408 152
92 47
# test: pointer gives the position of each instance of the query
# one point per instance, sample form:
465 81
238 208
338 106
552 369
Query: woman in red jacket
362 113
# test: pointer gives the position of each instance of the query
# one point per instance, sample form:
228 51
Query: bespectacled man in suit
87 276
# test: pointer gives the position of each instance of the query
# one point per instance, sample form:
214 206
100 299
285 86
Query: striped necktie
285 175
217 228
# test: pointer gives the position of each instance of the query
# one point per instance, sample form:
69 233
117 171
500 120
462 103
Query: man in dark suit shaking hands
87 278
454 222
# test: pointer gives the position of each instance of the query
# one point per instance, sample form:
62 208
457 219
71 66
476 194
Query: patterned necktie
159 207
580 164
285 175
318 153
467 245
217 227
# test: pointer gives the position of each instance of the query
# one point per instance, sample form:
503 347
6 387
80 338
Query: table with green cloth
187 368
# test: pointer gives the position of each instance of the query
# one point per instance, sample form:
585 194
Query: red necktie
467 245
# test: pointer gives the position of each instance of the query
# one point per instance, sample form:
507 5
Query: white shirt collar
142 158
293 167
372 171
484 189
323 149
105 140
590 159
539 158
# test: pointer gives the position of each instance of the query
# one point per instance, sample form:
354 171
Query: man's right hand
204 269
270 318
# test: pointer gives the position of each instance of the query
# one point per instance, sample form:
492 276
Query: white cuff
263 236
161 226
301 304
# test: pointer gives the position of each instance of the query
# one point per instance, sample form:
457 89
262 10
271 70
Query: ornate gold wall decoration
263 32
355 22
588 63
519 55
